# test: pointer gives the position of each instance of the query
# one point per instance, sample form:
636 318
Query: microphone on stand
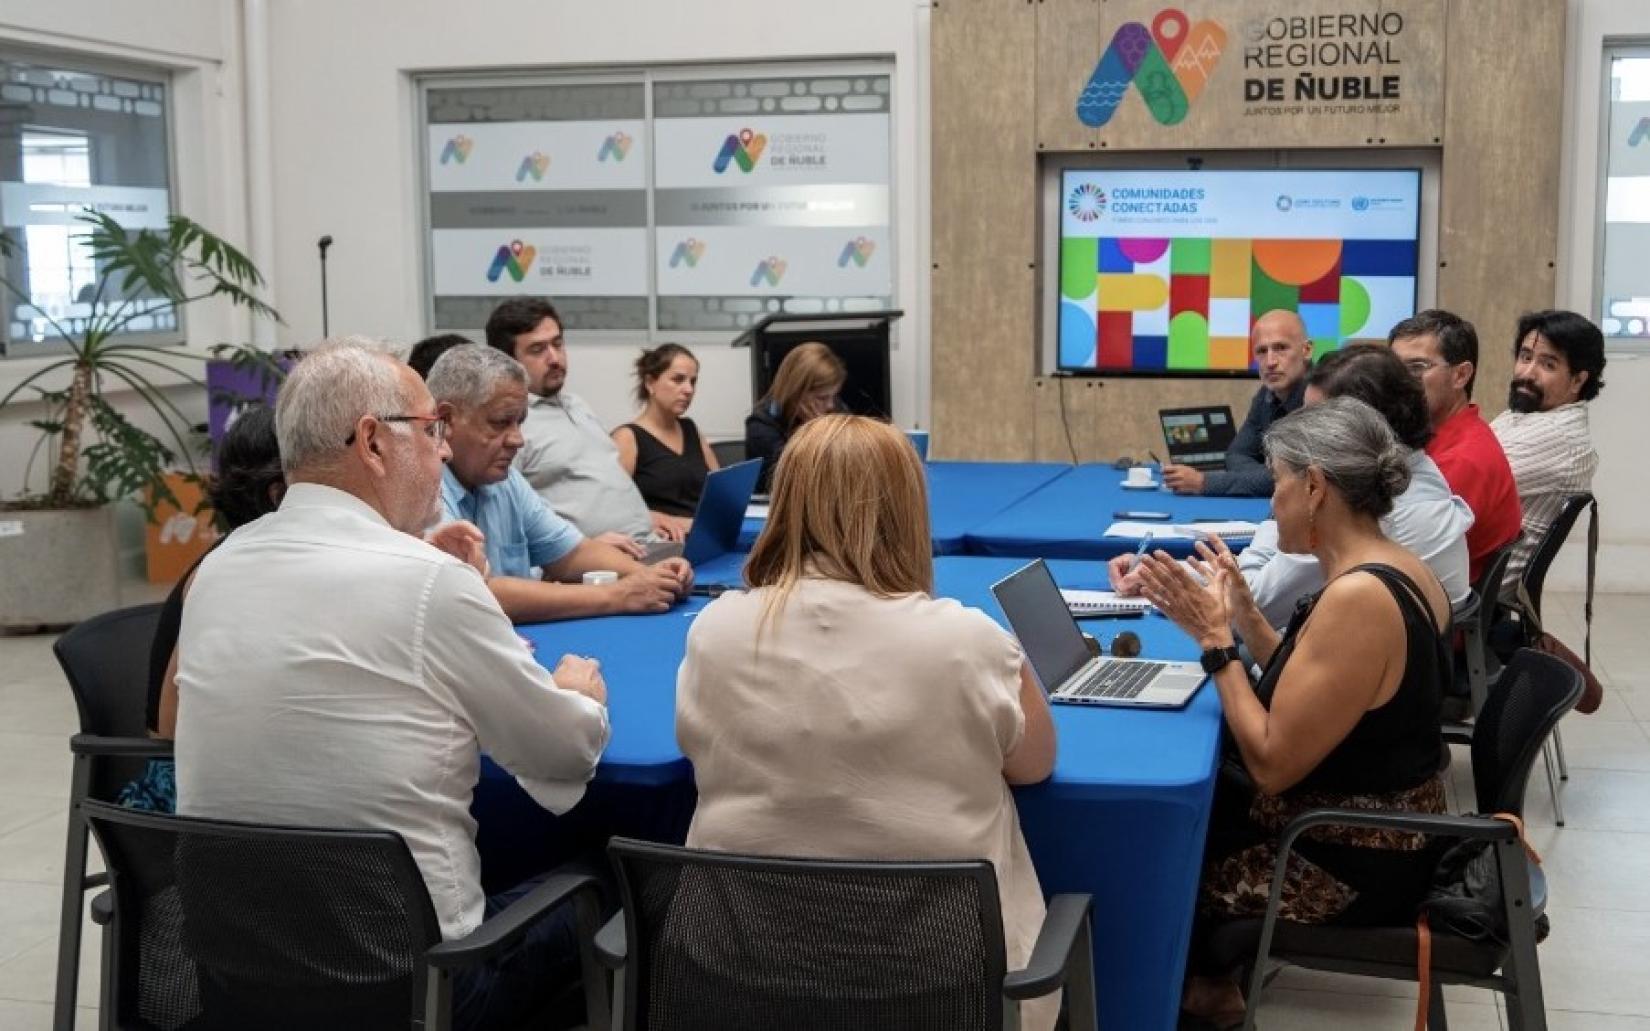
323 243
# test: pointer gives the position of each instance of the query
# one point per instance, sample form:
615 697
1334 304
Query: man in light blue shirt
484 395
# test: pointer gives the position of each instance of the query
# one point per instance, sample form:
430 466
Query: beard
1524 397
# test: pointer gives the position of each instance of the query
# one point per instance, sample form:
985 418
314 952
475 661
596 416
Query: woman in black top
1347 711
662 450
805 387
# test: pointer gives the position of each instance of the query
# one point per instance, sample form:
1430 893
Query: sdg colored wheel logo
1087 203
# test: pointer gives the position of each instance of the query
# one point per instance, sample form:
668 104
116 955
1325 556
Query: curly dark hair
249 470
1374 374
1574 336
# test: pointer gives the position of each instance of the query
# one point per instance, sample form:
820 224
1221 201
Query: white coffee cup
601 576
1140 476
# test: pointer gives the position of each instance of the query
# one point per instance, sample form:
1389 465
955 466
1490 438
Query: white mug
601 576
1140 474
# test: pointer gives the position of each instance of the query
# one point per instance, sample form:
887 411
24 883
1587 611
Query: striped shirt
1552 457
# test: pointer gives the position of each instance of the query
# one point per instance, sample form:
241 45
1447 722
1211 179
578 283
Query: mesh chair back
230 925
728 452
1532 694
1535 574
718 941
106 661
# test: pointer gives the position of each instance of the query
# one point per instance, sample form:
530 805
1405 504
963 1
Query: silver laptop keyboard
1116 680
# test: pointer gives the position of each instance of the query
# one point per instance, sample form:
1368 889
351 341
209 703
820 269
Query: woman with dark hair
662 450
248 484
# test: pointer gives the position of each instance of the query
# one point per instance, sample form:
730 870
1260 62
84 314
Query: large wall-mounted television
1163 272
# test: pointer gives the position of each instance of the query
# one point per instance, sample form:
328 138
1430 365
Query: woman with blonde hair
806 386
838 709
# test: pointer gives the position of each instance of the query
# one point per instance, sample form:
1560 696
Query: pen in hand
1145 542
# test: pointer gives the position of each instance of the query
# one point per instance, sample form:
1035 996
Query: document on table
756 511
1101 603
1181 531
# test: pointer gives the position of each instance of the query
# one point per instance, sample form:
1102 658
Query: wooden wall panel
1118 416
1498 211
985 227
1068 44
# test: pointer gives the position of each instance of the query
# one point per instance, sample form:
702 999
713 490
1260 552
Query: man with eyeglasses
484 394
335 670
1440 349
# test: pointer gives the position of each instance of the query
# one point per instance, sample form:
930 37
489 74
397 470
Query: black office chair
710 940
1532 693
1533 579
728 452
212 924
1474 618
106 661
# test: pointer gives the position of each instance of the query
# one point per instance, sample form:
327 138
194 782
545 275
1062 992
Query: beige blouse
858 727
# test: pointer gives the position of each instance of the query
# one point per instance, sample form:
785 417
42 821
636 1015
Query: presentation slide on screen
1166 271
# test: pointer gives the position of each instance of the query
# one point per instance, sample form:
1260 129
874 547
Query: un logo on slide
1169 64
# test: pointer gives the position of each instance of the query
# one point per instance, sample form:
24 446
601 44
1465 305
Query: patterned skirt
1332 873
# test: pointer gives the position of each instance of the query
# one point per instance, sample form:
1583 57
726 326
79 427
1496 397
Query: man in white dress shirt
1558 367
336 670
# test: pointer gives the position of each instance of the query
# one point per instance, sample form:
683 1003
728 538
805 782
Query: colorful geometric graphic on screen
743 150
1169 64
515 258
858 251
615 146
768 271
535 165
1087 203
1186 305
457 149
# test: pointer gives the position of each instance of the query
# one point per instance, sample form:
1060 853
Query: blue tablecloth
1067 517
961 495
1123 817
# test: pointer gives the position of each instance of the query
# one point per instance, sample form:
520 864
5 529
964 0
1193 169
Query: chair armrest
1456 733
1467 611
1058 938
134 747
506 927
611 947
103 908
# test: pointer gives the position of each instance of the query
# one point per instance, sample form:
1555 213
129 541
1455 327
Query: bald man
1283 355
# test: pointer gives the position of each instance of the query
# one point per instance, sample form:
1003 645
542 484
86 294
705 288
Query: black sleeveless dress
1390 760
670 483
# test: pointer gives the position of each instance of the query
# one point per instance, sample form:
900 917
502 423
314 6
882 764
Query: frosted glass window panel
1623 282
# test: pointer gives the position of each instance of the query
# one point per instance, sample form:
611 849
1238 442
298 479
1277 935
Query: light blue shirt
521 530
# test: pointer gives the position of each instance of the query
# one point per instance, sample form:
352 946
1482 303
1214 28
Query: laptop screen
721 512
1198 436
1038 614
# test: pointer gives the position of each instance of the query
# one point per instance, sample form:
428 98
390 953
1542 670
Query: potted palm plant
58 548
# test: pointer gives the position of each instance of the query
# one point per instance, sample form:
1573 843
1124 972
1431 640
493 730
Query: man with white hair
483 392
335 670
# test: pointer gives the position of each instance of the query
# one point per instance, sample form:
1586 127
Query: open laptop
1198 437
720 515
1061 658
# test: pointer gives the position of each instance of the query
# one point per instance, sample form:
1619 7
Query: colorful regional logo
769 271
615 146
535 165
1169 64
858 251
1087 202
687 252
743 149
1640 133
515 258
457 149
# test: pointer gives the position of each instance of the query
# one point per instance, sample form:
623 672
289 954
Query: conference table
1067 517
1122 818
961 495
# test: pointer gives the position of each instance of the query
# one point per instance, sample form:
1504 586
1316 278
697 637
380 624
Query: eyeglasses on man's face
436 427
1422 366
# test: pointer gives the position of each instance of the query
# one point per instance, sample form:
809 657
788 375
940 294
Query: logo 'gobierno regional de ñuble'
1169 64
515 258
743 149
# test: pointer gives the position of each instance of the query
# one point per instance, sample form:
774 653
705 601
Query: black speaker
860 339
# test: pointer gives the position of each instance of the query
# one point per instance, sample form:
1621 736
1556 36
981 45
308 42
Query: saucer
1141 486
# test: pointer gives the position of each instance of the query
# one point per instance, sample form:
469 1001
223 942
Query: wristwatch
1215 659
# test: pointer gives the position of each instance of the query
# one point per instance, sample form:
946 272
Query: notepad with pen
1103 603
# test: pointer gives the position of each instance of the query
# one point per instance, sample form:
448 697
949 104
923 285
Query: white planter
57 567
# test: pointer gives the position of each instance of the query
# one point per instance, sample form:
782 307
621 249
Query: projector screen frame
1053 166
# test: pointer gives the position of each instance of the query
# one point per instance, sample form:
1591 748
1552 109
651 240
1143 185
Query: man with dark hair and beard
1558 366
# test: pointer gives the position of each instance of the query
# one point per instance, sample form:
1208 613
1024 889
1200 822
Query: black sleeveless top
1398 745
670 482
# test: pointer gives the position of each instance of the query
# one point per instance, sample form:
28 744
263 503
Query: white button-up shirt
335 672
1552 457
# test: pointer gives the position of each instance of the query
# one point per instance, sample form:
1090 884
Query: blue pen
1145 542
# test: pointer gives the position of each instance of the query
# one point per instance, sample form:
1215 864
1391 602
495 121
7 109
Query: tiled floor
1595 966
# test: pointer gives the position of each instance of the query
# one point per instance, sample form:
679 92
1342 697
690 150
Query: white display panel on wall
670 203
1624 249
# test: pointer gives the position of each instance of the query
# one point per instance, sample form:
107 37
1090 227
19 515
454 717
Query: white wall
1621 487
345 152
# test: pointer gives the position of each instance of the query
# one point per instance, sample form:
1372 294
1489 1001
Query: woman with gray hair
1346 713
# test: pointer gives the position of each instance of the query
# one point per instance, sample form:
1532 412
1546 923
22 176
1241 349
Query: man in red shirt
1441 349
